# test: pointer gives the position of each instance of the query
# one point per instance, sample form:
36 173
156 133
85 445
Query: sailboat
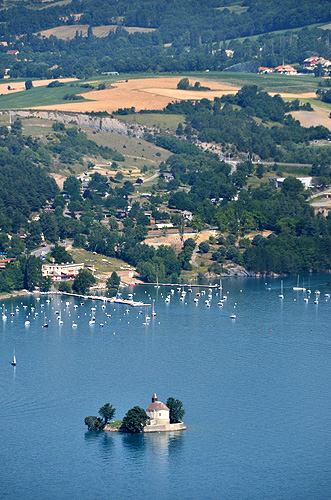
298 287
14 362
153 311
281 295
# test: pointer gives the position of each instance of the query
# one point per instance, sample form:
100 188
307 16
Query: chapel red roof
156 405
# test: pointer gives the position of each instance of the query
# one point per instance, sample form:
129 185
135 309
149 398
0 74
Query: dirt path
59 179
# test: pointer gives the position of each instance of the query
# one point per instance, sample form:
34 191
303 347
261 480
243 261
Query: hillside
97 36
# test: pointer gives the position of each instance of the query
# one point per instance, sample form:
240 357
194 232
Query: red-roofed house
286 70
12 52
263 69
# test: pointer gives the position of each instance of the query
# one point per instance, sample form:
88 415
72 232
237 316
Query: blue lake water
256 390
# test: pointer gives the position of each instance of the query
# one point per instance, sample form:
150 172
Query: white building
158 412
58 272
306 181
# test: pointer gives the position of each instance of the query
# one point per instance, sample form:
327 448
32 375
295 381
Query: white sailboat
281 295
298 287
14 362
153 310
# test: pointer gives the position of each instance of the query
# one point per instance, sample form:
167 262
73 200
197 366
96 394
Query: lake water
256 390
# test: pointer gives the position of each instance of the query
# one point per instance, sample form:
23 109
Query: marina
255 388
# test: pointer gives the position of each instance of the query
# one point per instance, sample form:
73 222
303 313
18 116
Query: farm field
149 93
69 32
320 116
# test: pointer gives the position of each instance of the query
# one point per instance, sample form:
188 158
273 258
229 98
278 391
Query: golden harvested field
320 116
20 86
146 93
149 93
69 32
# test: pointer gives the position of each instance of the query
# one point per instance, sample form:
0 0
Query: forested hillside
188 35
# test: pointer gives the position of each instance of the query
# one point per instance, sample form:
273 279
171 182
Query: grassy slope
269 83
129 146
39 96
101 263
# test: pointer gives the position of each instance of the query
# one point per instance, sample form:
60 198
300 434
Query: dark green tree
107 412
60 255
114 281
32 272
94 423
28 85
183 84
177 411
83 281
65 286
204 247
135 419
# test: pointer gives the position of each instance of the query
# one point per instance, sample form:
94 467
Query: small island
158 417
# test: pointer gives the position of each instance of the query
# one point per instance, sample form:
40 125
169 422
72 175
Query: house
306 181
12 52
59 272
162 225
187 215
286 70
264 70
229 52
53 67
168 176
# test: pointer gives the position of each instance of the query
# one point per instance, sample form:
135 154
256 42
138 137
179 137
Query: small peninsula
158 417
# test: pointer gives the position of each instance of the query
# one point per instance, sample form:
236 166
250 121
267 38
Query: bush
204 247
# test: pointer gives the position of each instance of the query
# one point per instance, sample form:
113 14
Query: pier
111 300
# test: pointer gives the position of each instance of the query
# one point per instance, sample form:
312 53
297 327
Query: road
46 249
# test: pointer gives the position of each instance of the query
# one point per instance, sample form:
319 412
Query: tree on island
94 423
107 412
177 412
83 281
135 419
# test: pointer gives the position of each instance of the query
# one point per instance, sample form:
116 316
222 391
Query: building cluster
309 64
285 69
312 62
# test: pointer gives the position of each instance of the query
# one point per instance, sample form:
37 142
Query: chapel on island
159 418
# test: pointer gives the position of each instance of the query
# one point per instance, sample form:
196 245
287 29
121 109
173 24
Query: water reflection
104 442
134 442
164 443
